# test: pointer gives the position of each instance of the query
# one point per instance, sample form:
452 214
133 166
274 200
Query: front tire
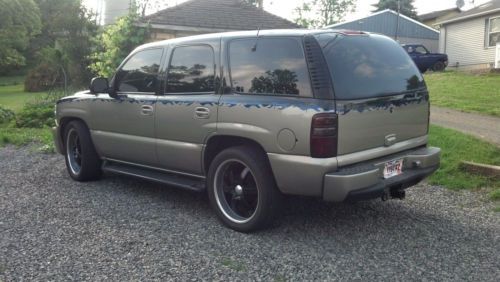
82 161
242 190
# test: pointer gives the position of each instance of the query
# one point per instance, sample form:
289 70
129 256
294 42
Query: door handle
147 110
202 112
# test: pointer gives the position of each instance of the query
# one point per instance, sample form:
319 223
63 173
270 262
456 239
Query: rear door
381 96
187 111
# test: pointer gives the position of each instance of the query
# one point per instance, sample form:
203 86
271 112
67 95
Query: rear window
367 66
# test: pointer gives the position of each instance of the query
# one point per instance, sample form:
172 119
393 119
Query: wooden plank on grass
491 171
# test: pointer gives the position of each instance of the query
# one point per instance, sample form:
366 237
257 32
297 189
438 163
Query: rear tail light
324 135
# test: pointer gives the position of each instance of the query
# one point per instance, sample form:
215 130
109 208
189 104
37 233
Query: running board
185 182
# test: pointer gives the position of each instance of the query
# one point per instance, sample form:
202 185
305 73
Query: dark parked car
426 60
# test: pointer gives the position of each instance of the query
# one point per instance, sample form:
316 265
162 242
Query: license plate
393 168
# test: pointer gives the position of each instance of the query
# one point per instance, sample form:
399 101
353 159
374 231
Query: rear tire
242 190
438 66
82 161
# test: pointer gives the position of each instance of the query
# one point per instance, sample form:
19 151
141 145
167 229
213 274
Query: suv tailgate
380 94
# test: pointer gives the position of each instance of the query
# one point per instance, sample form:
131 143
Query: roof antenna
254 48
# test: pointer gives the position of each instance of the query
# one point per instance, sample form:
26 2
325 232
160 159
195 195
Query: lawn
12 93
465 92
40 137
457 147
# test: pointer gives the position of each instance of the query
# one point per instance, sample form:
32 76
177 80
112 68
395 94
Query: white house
470 38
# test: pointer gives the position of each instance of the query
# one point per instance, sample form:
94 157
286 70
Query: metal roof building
405 30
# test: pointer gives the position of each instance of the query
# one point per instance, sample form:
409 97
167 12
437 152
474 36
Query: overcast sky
285 8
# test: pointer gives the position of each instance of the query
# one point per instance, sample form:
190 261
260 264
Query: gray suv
252 116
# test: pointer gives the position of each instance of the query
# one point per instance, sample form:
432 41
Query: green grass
41 137
465 92
14 97
11 80
457 147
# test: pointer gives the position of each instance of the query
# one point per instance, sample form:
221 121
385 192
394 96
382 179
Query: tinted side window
140 72
277 66
191 69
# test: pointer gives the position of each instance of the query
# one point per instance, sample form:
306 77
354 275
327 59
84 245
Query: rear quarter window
367 66
276 66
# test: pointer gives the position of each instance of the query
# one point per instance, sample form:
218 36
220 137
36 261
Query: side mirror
99 85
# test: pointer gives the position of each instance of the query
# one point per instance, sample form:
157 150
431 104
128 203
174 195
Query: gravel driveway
52 228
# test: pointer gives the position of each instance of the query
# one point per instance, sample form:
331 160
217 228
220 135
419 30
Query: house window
493 32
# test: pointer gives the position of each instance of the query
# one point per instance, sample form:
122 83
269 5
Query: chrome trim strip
155 168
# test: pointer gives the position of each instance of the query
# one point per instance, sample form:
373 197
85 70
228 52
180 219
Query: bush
39 113
36 115
6 115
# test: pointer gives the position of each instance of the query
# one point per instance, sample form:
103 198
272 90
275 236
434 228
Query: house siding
433 22
387 22
464 42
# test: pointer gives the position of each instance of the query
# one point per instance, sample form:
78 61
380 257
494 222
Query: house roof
484 9
387 22
436 14
219 15
379 13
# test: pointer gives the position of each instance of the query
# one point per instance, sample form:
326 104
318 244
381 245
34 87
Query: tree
320 13
279 81
405 7
116 42
19 22
148 5
68 29
257 3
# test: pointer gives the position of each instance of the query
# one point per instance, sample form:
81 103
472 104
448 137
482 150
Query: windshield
367 66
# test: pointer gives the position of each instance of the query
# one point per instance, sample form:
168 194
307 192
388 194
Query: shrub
6 115
38 113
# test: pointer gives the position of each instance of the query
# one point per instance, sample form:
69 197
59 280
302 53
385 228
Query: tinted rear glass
365 66
276 66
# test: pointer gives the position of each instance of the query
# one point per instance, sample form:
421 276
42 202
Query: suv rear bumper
365 181
301 175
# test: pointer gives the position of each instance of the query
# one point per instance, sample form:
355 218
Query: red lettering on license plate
393 168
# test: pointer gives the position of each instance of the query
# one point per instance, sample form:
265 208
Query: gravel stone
119 228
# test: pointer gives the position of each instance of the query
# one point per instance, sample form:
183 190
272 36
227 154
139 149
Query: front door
187 112
124 127
423 57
